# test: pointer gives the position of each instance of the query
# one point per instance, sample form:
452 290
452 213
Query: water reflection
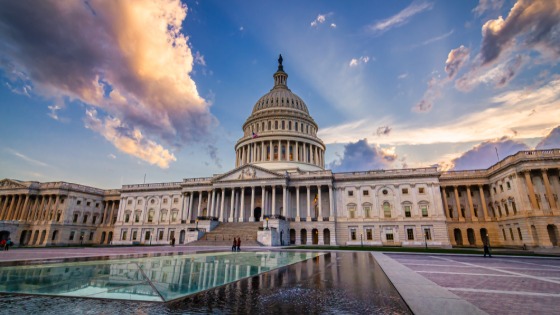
335 283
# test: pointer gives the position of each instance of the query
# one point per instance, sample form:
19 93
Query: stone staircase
224 234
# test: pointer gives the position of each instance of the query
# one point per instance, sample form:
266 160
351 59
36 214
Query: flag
255 135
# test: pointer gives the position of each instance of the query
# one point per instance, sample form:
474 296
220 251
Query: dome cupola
280 134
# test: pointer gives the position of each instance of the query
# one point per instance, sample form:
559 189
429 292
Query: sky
105 93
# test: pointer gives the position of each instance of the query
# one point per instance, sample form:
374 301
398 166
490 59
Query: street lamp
197 224
267 224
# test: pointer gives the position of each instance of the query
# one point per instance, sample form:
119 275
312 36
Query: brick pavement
497 285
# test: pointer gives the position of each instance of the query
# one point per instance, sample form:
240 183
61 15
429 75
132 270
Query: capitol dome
280 134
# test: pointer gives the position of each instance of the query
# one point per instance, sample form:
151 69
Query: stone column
31 209
4 206
483 201
251 215
232 206
104 217
191 199
297 151
471 207
211 204
223 195
241 206
298 214
13 207
284 210
458 204
320 218
198 213
531 190
549 193
35 214
331 205
24 208
445 205
308 218
113 211
56 201
273 208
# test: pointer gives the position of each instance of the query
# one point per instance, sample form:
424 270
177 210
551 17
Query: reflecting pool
158 279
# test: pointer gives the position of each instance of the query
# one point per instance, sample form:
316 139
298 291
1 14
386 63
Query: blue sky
104 92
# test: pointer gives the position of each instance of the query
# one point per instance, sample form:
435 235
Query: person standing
172 242
234 246
487 250
239 244
2 244
8 244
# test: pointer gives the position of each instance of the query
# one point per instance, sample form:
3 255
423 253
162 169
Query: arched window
269 125
387 209
351 211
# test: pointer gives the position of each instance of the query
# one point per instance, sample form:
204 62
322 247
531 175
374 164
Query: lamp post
196 224
267 224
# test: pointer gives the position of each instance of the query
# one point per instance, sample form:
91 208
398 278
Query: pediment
11 184
248 172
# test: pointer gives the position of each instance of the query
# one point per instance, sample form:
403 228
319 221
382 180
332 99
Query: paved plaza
429 283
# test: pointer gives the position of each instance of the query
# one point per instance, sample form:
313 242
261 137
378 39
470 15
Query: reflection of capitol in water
153 279
280 174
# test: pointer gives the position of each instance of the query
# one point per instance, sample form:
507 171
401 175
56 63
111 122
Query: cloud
213 153
360 156
333 25
498 76
199 59
241 28
530 24
26 158
321 18
432 93
437 38
551 141
383 131
403 76
455 60
111 156
129 60
354 62
487 5
129 140
486 154
529 111
400 18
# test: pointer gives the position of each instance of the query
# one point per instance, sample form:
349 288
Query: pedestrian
234 246
8 244
2 244
172 242
487 250
239 244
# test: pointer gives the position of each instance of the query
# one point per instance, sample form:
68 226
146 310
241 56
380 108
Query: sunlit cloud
26 158
361 156
400 18
487 153
551 141
320 19
354 62
438 38
487 5
129 59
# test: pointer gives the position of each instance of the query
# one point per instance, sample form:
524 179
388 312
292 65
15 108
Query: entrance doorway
257 214
458 237
182 237
292 236
303 236
4 235
315 236
552 234
326 236
484 235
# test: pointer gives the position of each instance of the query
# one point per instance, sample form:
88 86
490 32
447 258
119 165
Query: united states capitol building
280 190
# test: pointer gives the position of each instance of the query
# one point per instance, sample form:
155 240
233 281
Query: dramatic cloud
487 5
401 18
486 154
551 141
360 156
128 59
213 153
455 60
354 62
432 93
498 76
383 131
130 141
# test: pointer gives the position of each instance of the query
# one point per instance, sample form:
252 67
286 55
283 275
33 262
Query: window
389 237
160 236
164 201
174 216
140 201
88 203
97 204
410 234
62 201
276 125
72 233
519 233
134 235
90 236
352 211
424 210
175 200
162 216
269 125
387 209
152 201
94 219
353 234
514 207
350 193
369 234
127 217
366 192
511 234
151 216
58 215
129 201
428 234
405 191
85 219
137 217
407 211
123 238
75 219
283 125
79 202
367 211
421 190
501 188
504 234
296 125
494 190
148 236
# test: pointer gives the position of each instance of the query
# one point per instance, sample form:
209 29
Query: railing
408 171
196 180
153 185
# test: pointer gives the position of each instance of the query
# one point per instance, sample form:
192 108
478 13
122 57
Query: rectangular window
424 210
140 201
520 235
407 211
508 185
366 192
127 217
75 219
405 191
85 218
351 212
367 211
369 234
421 190
97 204
160 235
79 202
134 235
164 201
428 234
501 188
350 193
175 200
72 233
389 237
137 218
90 236
410 234
494 188
174 216
123 238
353 234
129 202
